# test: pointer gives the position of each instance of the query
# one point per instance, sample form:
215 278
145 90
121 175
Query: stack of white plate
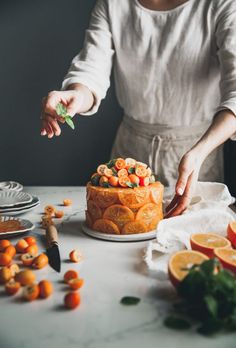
14 202
11 185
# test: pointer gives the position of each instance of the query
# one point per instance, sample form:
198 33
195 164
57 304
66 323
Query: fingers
50 127
73 106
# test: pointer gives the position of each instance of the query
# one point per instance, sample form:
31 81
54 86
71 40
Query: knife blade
53 249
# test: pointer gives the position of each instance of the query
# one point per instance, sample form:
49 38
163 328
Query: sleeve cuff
230 105
97 99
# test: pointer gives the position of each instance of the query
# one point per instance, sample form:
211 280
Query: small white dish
26 224
35 202
119 237
19 212
11 185
13 198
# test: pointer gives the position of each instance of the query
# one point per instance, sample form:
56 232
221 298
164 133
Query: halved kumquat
76 283
31 292
70 274
21 246
75 256
27 259
12 287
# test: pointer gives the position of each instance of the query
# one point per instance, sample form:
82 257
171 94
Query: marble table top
111 270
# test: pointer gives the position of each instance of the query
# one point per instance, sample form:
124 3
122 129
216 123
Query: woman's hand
78 99
188 175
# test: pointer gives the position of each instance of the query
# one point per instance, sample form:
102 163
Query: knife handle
51 235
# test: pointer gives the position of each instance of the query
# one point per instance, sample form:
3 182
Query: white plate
35 201
13 198
28 226
119 237
19 212
11 185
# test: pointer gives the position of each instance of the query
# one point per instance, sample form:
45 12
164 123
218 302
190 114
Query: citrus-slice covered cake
124 198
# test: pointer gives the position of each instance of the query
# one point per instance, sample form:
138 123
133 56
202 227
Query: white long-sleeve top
174 68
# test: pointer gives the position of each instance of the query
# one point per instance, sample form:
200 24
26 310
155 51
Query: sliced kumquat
144 181
5 259
59 214
140 171
40 261
30 240
130 162
32 249
4 243
76 283
108 173
31 292
75 256
27 259
106 226
120 163
49 210
141 164
5 275
101 169
119 214
25 277
21 246
114 181
14 268
11 250
72 300
134 227
149 172
67 202
134 179
70 274
12 287
124 181
122 172
45 288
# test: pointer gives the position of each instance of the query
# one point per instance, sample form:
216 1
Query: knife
53 250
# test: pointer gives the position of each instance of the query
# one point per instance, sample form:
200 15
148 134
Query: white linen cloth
174 68
208 212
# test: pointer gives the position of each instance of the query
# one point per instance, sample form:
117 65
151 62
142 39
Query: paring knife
53 250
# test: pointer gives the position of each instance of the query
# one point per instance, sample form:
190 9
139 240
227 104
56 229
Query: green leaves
130 300
208 297
131 184
177 323
62 111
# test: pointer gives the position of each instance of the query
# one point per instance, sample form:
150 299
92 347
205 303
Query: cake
124 198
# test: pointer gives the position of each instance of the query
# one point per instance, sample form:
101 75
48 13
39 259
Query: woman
175 73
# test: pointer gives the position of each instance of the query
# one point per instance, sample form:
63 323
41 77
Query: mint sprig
62 111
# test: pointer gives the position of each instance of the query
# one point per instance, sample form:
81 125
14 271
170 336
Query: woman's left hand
188 175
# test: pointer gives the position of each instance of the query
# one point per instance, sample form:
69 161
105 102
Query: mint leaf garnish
62 111
177 323
130 300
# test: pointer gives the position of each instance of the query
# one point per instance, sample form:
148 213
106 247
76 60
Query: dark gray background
38 40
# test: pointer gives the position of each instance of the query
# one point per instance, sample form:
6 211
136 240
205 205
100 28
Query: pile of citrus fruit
122 172
204 246
17 265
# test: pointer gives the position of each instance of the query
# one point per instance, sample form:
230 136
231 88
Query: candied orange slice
180 263
89 221
133 227
134 198
94 210
106 197
119 214
156 192
149 214
106 226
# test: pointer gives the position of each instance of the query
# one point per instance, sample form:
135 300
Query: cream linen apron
162 147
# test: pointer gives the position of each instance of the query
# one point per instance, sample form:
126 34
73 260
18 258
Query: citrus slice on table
181 262
156 192
94 210
106 226
227 258
119 214
150 214
207 242
133 227
231 233
134 198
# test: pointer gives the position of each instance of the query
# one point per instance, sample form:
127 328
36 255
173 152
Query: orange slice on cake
133 227
231 233
119 214
207 242
106 226
181 262
150 214
134 198
227 258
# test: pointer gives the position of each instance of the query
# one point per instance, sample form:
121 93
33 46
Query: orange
134 227
207 242
113 181
141 171
4 243
118 214
106 226
59 214
75 256
5 275
21 245
108 173
231 233
70 274
134 179
72 300
150 214
120 163
76 283
31 292
11 250
227 258
5 259
181 262
134 198
124 180
25 277
94 211
130 162
27 259
32 249
12 287
30 240
45 288
122 172
40 261
49 210
67 202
